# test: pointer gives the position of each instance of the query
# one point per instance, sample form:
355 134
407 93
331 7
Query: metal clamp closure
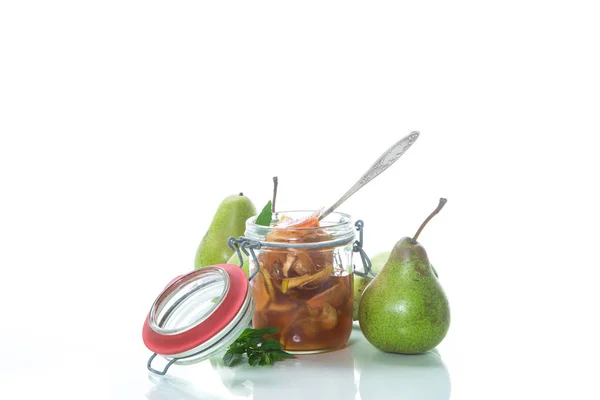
247 246
358 248
165 369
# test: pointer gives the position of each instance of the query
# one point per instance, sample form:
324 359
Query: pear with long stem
404 309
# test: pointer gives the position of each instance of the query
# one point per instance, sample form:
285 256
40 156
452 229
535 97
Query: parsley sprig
260 351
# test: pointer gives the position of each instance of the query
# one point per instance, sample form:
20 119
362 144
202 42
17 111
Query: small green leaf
240 349
260 351
230 359
277 355
260 332
265 216
254 341
266 360
247 332
271 344
254 359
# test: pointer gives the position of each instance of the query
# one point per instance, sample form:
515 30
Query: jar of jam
303 279
300 281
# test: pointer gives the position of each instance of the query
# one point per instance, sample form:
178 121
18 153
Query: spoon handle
383 162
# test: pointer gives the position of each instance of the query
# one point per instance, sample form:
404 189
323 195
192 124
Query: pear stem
437 210
274 194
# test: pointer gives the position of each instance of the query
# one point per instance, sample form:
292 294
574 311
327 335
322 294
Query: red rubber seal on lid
215 323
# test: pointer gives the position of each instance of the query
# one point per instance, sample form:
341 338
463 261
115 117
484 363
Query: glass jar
303 283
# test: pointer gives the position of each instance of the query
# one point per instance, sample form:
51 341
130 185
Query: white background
123 124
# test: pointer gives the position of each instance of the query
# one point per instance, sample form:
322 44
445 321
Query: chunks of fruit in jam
300 291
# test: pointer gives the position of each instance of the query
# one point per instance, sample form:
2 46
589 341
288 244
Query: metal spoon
383 162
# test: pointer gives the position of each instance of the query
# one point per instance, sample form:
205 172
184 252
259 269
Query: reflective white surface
358 369
357 372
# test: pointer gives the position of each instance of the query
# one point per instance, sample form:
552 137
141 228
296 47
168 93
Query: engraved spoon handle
383 162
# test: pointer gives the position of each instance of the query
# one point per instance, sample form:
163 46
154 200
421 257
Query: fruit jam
306 293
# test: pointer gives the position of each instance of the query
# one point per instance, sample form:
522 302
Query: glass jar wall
304 283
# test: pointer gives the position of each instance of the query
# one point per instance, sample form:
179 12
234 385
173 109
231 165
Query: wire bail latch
358 248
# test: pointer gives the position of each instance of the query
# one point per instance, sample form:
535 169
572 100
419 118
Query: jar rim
344 220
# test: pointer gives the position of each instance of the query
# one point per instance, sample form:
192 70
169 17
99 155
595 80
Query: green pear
360 283
229 220
404 308
235 260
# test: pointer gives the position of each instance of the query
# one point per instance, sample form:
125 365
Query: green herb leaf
238 349
260 332
265 216
246 332
271 344
266 360
254 341
277 355
254 359
260 351
230 358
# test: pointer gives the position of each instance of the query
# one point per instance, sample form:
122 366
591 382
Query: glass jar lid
198 313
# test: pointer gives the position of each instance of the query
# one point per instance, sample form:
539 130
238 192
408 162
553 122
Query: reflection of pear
395 376
413 377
